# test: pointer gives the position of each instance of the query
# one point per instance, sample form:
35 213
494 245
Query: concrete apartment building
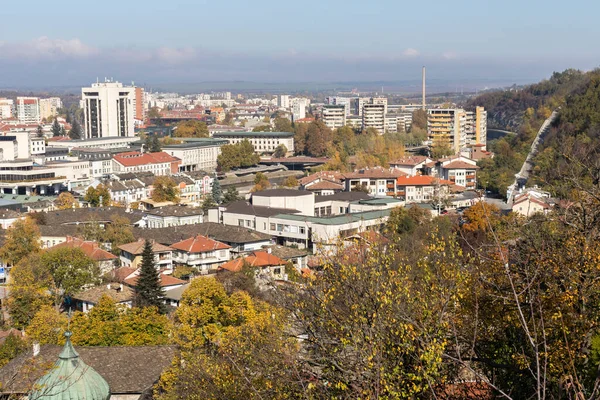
6 108
380 100
476 127
28 110
108 110
334 116
283 101
447 127
263 142
373 116
49 107
340 101
139 104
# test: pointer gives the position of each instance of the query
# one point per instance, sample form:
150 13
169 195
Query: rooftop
255 259
165 281
281 193
91 214
343 196
222 233
176 211
137 247
90 248
201 142
116 291
410 160
135 158
253 134
338 219
246 208
199 244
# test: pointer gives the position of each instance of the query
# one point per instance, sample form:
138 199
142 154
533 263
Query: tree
262 128
56 128
40 131
75 132
191 129
148 291
155 145
419 119
216 191
283 125
118 232
165 189
237 155
300 138
318 138
280 151
71 269
13 346
98 196
66 201
231 195
63 132
261 182
290 182
154 114
208 203
22 239
47 326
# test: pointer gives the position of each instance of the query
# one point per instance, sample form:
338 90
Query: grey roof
7 213
252 134
59 230
90 214
133 175
199 142
22 198
117 292
282 193
378 201
127 370
339 219
245 208
176 211
121 186
344 196
223 233
175 294
285 253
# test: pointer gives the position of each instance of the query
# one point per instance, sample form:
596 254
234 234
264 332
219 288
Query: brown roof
135 158
90 248
199 244
375 173
116 291
122 273
410 160
255 259
329 175
460 165
137 247
325 185
127 370
165 281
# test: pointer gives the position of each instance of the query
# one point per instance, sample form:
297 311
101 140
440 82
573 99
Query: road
523 175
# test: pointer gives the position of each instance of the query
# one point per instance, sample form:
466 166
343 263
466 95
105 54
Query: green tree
208 203
191 129
40 131
98 196
261 182
280 151
237 155
56 128
290 182
231 195
165 189
155 144
217 191
148 291
75 132
282 125
154 115
11 348
22 239
262 128
63 132
118 232
71 269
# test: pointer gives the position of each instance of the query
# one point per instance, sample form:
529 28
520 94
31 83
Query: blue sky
73 42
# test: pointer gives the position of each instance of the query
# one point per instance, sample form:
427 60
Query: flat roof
378 200
338 219
253 134
201 142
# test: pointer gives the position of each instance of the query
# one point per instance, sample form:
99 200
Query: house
477 152
200 252
87 299
125 192
377 181
325 187
159 163
528 204
460 170
169 216
421 188
266 265
327 182
8 217
105 260
167 282
130 372
410 165
298 257
131 254
173 296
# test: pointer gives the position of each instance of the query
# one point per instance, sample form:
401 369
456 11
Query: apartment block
340 101
6 108
447 127
108 110
373 116
28 110
476 127
334 116
49 107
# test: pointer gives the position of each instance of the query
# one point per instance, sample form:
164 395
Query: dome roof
70 379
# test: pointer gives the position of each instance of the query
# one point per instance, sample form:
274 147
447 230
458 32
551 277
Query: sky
472 43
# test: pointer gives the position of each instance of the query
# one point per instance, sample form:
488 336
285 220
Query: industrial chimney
423 87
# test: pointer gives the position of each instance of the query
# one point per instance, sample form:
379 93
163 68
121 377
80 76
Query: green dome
70 379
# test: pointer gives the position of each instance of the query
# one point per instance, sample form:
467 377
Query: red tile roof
255 259
135 158
199 244
379 172
460 165
90 248
122 273
329 175
420 180
410 160
325 185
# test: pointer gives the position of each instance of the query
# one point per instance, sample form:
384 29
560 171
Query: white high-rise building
299 105
283 101
380 100
28 110
334 116
6 108
373 116
108 110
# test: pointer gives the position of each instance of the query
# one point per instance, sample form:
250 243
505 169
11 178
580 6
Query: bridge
523 175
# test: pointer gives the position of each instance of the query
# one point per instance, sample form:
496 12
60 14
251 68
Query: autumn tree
191 129
148 290
300 138
12 346
66 201
282 124
290 182
318 138
118 232
165 189
419 119
98 196
237 155
280 151
22 239
261 182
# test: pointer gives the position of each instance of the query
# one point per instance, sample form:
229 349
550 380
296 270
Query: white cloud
410 52
450 55
172 55
44 47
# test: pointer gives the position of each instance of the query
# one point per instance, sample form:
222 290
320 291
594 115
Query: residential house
8 217
298 257
421 188
267 266
528 204
169 216
200 252
131 254
460 170
410 165
377 181
173 296
167 281
88 298
105 260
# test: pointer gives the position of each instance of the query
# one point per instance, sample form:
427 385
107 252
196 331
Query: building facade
334 116
373 116
263 142
476 126
108 110
447 127
28 110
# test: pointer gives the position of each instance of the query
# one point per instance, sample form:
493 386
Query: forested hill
522 111
506 109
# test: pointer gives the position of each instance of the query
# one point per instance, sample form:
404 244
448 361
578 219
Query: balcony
470 184
470 176
390 186
401 193
392 194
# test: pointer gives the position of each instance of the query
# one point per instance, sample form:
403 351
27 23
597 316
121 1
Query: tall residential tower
108 110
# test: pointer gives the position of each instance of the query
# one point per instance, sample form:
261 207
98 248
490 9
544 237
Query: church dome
70 379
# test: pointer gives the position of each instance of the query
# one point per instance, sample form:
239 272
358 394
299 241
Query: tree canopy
237 155
164 188
191 129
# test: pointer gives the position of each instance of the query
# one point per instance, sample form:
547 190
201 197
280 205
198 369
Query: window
279 227
372 183
302 230
277 271
240 222
272 226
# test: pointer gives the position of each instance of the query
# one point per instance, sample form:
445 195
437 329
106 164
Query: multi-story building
391 123
159 163
447 127
476 127
359 102
373 116
340 101
380 100
139 104
299 105
108 110
334 116
49 107
283 101
263 142
6 108
376 181
28 110
197 153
